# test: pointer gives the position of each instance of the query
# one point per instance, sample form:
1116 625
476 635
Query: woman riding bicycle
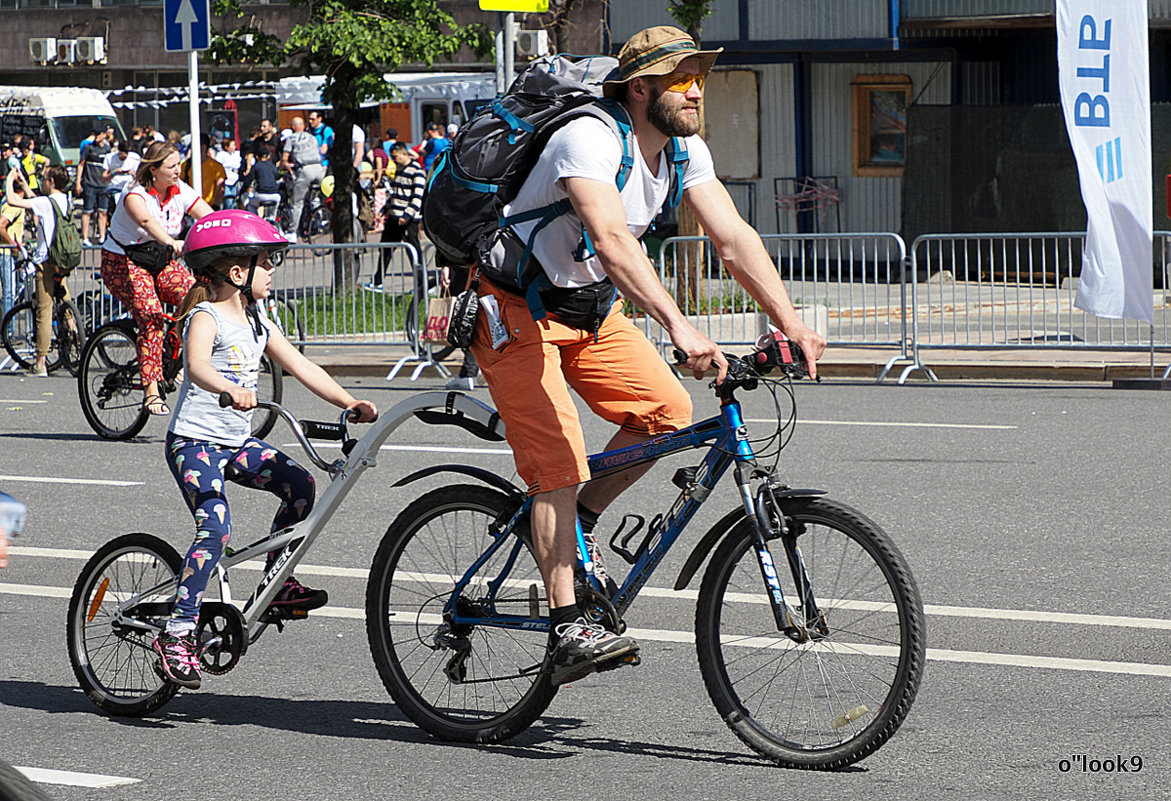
225 337
136 265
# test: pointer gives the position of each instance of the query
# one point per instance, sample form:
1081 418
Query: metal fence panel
1017 291
847 286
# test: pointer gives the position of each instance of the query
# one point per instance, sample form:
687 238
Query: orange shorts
620 376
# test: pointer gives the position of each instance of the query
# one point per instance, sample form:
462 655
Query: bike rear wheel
269 387
830 701
109 384
473 683
70 336
110 648
19 329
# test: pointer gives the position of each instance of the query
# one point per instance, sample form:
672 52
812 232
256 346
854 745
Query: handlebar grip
679 356
225 400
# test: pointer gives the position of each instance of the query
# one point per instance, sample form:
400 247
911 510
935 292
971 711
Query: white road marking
72 779
100 482
416 448
665 635
20 400
941 610
802 421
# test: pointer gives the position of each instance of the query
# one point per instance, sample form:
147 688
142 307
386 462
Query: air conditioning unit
66 51
532 43
91 49
43 51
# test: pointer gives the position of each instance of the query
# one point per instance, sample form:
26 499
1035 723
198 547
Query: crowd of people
138 190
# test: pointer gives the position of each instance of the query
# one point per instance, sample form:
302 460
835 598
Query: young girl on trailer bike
224 335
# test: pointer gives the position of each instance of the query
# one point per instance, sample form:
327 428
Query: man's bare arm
599 207
742 252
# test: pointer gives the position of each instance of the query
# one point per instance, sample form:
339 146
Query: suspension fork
768 510
757 509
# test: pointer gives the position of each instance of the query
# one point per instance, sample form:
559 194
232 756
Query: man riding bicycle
606 360
303 158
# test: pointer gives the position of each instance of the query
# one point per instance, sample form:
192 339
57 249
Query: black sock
561 615
588 518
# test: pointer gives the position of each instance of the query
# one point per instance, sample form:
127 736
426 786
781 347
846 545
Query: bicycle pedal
628 659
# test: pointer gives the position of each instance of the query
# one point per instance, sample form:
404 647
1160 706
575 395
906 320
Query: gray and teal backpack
472 181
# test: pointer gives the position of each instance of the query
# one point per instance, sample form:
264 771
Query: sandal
155 404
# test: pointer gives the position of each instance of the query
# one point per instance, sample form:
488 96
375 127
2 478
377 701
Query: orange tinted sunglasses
682 82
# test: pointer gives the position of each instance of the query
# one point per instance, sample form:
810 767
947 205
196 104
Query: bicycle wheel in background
416 321
466 683
109 385
284 314
269 387
19 329
111 653
835 699
70 336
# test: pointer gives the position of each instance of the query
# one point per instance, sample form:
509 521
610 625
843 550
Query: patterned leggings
141 292
198 467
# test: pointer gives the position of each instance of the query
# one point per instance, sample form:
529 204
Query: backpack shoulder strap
677 158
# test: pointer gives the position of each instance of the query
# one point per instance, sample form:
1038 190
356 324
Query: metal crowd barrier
849 287
1016 291
325 294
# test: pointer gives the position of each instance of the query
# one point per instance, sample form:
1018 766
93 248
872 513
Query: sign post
506 33
187 29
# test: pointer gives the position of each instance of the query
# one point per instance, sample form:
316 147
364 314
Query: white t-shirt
114 161
231 163
589 148
47 222
169 210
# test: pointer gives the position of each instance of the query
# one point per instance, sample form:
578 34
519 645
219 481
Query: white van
59 118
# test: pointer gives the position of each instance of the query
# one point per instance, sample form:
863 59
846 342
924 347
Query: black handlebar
775 353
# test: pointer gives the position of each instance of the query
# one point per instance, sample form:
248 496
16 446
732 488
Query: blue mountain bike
808 626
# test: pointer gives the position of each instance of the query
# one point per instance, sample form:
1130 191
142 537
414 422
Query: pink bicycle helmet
231 232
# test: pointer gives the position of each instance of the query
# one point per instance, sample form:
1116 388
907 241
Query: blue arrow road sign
186 25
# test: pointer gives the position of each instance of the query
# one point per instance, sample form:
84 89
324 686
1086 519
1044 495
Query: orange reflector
97 601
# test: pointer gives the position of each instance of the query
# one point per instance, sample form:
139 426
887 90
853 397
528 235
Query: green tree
352 43
689 14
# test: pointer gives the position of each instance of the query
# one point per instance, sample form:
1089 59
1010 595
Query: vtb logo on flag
1110 161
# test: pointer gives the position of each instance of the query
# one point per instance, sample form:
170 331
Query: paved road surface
1034 517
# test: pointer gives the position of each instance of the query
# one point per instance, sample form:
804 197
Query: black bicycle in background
19 326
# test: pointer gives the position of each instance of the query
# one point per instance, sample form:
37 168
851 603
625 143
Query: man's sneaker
583 648
595 550
177 660
295 595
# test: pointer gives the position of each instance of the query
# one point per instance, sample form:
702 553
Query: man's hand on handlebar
362 412
812 344
700 353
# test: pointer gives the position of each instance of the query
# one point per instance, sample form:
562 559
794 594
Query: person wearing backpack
566 328
58 249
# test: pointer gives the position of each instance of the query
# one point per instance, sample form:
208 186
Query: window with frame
880 124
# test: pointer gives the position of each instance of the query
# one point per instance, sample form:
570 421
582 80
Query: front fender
491 479
721 529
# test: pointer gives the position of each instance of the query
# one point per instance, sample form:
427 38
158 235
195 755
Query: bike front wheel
109 384
469 683
837 697
19 329
110 645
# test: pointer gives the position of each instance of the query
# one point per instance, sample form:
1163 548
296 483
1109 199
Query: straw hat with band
656 51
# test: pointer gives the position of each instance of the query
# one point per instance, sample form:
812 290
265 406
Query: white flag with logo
1104 70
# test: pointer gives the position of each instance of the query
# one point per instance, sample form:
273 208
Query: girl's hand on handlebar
362 412
242 399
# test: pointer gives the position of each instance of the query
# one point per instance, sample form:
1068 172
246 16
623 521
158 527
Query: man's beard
668 120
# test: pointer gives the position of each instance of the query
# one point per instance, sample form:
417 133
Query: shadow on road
549 738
